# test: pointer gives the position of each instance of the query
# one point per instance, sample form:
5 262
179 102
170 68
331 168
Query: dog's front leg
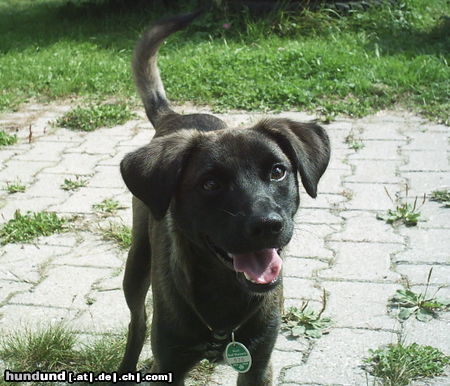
175 362
135 285
260 373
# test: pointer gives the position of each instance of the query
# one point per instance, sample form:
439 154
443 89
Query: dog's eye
211 185
278 173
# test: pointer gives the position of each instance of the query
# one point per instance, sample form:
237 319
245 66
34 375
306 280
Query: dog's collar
223 335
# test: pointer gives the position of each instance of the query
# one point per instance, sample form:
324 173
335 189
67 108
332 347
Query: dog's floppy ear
306 144
152 172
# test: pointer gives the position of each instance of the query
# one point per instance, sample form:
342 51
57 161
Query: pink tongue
262 266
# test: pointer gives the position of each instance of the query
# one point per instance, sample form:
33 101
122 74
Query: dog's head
232 192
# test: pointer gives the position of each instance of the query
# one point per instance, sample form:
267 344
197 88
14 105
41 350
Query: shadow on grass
116 24
413 42
41 24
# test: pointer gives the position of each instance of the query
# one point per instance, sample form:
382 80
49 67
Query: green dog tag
238 357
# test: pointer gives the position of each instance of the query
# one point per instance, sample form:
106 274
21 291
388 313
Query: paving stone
26 205
385 130
368 196
301 289
10 287
223 375
435 381
107 313
82 200
49 185
426 245
425 182
309 241
338 160
26 262
377 171
115 158
338 139
353 259
6 154
377 150
337 358
418 273
339 124
107 177
17 317
72 163
360 305
294 344
298 116
59 239
92 252
61 135
331 183
425 141
23 171
434 215
361 226
426 161
298 267
425 126
314 216
111 283
65 286
323 201
44 151
315 304
392 116
126 216
92 146
141 138
432 333
283 360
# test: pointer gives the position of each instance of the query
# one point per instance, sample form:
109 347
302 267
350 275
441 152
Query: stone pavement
339 246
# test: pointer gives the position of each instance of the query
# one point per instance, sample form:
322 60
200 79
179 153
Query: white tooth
249 279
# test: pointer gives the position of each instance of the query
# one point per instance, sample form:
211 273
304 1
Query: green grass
7 139
422 305
404 212
26 227
95 116
15 187
108 206
442 196
354 142
56 348
353 63
305 322
74 183
119 233
398 364
201 374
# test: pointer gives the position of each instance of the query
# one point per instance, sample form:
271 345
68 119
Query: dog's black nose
265 226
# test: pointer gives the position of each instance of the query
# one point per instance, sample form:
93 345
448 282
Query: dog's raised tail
145 67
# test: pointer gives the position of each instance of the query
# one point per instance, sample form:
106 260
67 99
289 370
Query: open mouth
260 269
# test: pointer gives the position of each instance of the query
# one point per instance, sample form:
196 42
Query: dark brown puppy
212 210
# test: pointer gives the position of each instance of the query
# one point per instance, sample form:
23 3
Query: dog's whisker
232 214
